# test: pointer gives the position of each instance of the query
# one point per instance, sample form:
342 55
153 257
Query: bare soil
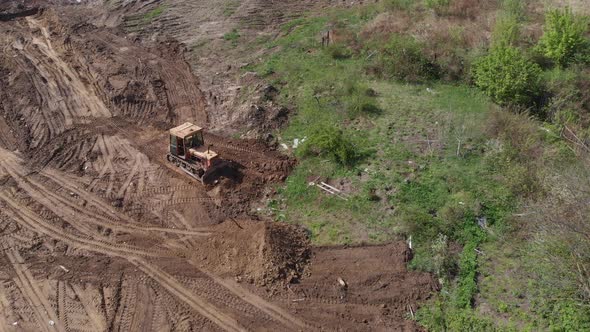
99 233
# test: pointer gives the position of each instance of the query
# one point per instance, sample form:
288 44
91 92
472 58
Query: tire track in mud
28 218
96 319
71 212
102 220
33 294
167 281
177 289
86 100
61 303
274 311
110 218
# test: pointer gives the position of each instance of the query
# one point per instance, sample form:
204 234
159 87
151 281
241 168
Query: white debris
15 324
298 141
52 322
64 268
284 146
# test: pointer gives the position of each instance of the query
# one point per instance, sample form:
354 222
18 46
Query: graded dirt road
99 233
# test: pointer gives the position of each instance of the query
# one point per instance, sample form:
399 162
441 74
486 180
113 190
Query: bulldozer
189 153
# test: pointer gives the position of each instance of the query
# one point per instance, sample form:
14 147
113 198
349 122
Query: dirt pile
257 252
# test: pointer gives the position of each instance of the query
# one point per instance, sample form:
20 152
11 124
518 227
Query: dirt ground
99 233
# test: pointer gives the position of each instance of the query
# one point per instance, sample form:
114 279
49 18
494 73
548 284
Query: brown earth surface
99 233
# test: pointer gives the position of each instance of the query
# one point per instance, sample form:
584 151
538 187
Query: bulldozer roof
184 130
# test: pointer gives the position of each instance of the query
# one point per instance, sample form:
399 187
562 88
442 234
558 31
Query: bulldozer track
95 318
61 304
153 191
278 314
133 256
30 220
197 303
33 293
72 212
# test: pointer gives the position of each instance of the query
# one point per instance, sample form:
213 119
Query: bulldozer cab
185 137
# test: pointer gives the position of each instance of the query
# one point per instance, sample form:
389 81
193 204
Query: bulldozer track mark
29 219
32 293
115 223
160 206
144 308
61 304
59 206
5 308
87 100
154 191
277 313
164 279
167 281
96 319
122 318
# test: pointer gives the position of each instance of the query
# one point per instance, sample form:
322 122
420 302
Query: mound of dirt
263 253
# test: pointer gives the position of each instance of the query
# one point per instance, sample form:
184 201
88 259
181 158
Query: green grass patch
230 7
152 14
233 37
435 161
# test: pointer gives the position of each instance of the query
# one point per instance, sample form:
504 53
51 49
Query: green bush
506 31
508 77
403 58
231 36
514 8
330 141
358 99
339 51
563 37
467 286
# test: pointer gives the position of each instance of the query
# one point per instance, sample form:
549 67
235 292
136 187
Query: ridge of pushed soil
262 253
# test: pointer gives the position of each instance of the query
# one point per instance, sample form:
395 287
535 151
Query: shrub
514 8
231 36
403 58
330 141
508 77
448 50
467 286
506 31
563 37
358 98
339 51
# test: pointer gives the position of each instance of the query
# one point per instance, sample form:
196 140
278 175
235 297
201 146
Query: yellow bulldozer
189 152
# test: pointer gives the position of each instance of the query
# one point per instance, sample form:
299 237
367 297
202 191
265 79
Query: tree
331 141
507 76
563 37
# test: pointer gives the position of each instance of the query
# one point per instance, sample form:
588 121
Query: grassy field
423 156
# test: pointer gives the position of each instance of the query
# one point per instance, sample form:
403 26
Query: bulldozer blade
222 169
